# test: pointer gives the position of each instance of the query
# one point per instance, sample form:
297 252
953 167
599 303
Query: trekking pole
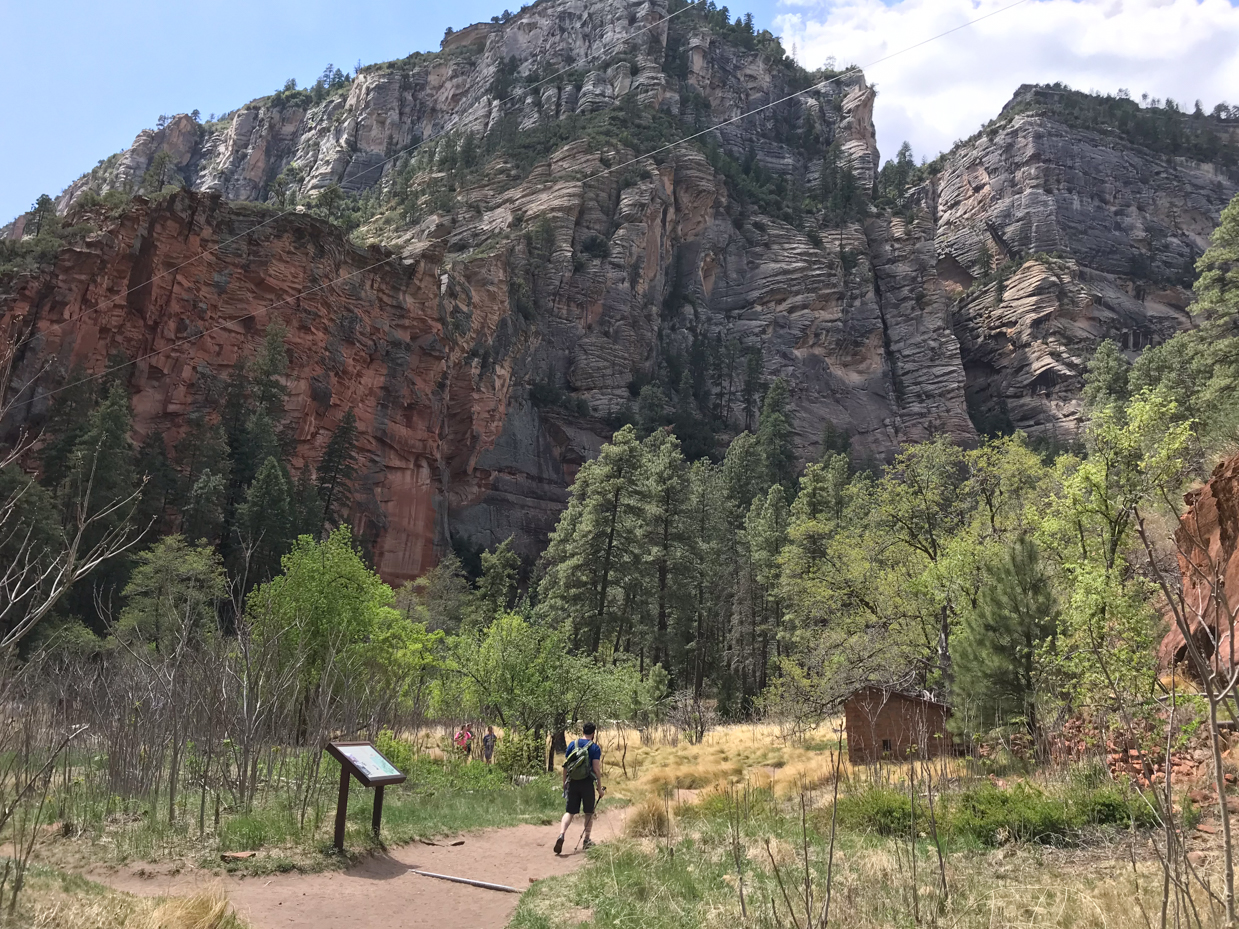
576 847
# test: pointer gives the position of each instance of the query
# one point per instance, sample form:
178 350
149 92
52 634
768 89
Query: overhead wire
606 50
821 84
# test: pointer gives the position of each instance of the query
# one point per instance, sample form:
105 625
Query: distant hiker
488 745
464 741
582 768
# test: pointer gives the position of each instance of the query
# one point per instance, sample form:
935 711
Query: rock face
531 298
1103 237
377 332
1208 549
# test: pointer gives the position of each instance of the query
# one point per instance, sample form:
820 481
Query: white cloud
946 89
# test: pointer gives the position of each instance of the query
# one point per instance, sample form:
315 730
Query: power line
270 219
602 173
856 69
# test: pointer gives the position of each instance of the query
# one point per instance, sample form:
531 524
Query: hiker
582 768
464 741
488 745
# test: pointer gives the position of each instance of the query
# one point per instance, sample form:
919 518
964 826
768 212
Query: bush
878 809
398 751
520 752
993 816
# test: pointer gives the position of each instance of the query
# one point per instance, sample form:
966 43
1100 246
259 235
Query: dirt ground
381 893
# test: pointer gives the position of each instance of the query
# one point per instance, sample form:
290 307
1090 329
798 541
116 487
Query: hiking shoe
559 845
587 844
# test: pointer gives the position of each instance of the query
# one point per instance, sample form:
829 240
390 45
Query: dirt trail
380 893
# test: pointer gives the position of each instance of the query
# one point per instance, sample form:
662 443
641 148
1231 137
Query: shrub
396 750
649 819
878 809
521 752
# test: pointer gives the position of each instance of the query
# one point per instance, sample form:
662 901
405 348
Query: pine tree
265 521
495 593
307 505
743 475
337 470
597 545
669 551
774 436
162 489
998 666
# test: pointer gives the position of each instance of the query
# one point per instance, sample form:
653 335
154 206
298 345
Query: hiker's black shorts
581 793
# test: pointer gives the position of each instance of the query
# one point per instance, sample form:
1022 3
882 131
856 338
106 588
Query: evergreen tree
307 505
669 549
495 593
1106 379
43 218
999 662
202 517
337 470
774 437
265 521
171 596
743 475
597 544
161 491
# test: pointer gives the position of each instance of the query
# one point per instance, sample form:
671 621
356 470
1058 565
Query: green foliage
337 469
994 816
1162 128
521 751
1006 642
172 595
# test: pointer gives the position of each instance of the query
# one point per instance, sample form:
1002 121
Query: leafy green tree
1004 653
162 171
337 469
171 596
331 621
161 491
744 475
439 598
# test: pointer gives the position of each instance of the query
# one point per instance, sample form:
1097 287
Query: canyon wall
501 335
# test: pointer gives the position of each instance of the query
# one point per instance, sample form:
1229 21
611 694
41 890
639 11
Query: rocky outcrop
1207 543
1091 239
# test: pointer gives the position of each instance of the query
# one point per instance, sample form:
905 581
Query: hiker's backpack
576 761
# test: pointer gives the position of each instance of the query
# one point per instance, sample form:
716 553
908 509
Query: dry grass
55 900
728 755
651 818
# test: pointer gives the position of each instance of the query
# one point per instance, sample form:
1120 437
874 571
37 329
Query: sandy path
380 893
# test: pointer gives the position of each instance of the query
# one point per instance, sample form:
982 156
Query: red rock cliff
1207 540
188 285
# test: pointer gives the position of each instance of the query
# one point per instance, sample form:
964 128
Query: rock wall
188 286
1207 541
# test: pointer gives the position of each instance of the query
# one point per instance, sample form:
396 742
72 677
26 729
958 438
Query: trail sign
364 762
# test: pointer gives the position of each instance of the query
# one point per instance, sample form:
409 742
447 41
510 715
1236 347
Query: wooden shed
888 724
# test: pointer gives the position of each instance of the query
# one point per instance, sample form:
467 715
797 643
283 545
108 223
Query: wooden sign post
362 761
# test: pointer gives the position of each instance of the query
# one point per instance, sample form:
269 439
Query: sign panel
365 763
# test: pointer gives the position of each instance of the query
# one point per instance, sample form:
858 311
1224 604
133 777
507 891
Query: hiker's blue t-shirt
595 752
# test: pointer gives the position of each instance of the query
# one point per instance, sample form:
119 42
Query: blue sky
84 77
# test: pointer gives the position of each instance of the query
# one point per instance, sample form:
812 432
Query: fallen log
466 880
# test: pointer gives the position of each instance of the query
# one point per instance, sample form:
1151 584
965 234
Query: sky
85 76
